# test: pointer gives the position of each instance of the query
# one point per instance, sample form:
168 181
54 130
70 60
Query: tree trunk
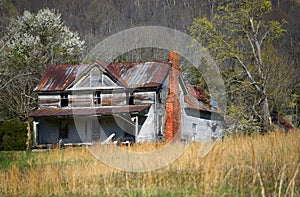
267 121
28 141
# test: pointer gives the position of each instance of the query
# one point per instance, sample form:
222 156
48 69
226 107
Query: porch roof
97 111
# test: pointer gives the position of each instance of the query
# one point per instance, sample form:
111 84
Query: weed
239 166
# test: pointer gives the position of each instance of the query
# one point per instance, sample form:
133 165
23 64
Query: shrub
13 135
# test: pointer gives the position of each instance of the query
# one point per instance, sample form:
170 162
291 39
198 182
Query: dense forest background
98 19
95 20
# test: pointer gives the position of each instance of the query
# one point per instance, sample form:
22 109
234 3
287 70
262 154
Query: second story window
64 101
131 99
97 98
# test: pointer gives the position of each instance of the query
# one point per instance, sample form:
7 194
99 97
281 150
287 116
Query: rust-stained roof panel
198 93
88 111
197 99
130 74
193 103
140 75
58 77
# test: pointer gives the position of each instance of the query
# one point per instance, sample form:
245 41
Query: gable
95 78
58 77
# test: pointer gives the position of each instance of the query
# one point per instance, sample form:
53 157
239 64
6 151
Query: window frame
97 98
64 99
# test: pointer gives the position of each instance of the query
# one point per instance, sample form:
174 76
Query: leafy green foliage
244 126
240 36
13 135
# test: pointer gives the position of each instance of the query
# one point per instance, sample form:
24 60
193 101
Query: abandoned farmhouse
132 101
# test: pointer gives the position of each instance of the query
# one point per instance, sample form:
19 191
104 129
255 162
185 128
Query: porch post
136 127
35 123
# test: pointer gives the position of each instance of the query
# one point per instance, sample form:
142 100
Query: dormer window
64 101
97 98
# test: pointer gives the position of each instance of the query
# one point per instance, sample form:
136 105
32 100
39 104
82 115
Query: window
97 98
131 99
194 127
64 101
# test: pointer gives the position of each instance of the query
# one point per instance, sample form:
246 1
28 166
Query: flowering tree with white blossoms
31 43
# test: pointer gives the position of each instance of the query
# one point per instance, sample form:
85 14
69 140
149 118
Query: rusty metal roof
88 111
198 93
197 99
58 77
139 75
130 74
193 103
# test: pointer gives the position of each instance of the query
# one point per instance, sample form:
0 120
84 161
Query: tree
12 135
240 36
30 44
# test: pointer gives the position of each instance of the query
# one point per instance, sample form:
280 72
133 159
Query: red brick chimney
173 111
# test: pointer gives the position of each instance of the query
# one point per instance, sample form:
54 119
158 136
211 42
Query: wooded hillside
96 20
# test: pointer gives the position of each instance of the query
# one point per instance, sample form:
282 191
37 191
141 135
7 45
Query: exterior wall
198 127
143 98
48 131
147 131
81 99
113 99
82 130
95 78
111 125
98 129
49 100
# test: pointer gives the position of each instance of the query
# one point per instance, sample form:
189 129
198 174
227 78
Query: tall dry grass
239 166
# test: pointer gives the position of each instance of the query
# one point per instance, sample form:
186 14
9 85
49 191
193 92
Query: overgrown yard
257 165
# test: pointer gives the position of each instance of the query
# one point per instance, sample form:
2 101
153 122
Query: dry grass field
256 165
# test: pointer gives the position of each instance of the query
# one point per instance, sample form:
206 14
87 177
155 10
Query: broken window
64 101
97 98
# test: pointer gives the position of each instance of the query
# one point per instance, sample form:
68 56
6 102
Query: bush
244 127
13 135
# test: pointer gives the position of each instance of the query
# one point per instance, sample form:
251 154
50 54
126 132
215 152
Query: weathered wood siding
78 99
84 99
195 127
105 126
81 130
48 131
95 78
50 100
113 99
147 131
143 98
